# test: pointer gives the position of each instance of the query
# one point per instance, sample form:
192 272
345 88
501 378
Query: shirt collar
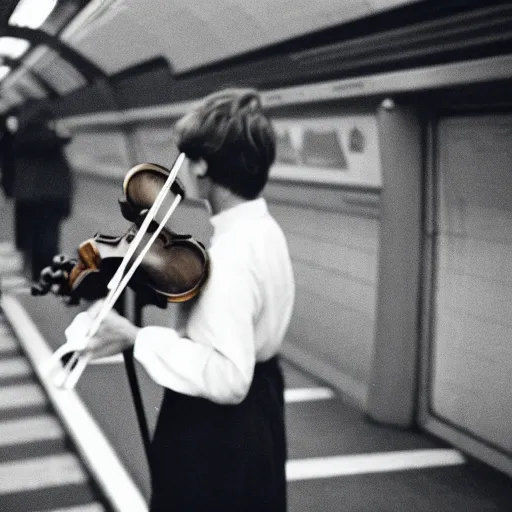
241 212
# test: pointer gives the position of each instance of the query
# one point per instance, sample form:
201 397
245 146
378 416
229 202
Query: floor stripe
11 263
117 359
93 507
24 395
7 344
7 247
22 290
13 281
307 394
28 430
14 367
328 467
39 473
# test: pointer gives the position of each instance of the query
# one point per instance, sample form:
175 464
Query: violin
168 268
174 268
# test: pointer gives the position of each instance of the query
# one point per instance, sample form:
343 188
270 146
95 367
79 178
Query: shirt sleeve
215 358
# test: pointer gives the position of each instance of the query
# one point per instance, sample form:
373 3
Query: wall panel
334 257
102 152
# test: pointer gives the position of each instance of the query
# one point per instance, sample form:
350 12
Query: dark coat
41 172
7 163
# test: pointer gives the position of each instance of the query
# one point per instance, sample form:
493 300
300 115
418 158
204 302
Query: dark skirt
230 458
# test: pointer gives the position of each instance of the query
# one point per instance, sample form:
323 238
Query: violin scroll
55 279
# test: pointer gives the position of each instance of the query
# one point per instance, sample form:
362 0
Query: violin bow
69 375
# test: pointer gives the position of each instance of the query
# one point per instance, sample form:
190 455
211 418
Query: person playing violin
220 441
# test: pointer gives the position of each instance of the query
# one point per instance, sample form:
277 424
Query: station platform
339 460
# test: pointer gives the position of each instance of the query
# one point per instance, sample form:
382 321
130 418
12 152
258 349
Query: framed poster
331 150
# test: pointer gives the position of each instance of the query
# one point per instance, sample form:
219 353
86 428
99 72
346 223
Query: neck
222 199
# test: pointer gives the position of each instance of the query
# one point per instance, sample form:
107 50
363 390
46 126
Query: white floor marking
39 473
28 430
118 358
7 247
13 281
307 394
93 507
23 395
328 467
11 263
14 367
23 290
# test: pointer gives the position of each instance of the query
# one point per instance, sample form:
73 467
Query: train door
466 395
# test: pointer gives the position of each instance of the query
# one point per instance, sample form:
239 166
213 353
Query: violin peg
63 262
46 275
58 260
58 276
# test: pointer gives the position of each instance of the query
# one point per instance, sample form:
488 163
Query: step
20 396
14 367
41 472
43 427
11 263
7 343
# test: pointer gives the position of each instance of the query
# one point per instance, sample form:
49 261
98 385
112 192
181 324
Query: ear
200 168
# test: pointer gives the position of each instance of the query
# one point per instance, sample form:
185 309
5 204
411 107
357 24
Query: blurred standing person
41 186
6 182
220 441
6 156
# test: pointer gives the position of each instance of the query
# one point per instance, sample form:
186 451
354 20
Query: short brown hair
230 131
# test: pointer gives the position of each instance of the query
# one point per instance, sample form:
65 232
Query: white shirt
241 314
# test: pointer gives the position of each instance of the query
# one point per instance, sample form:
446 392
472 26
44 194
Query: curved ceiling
82 39
118 34
30 51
